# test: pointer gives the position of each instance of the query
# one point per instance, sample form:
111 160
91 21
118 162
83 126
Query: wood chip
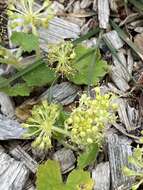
64 93
118 80
95 5
121 71
58 30
139 41
101 176
57 7
6 105
119 150
130 62
113 38
123 66
10 129
66 159
113 5
13 174
129 116
19 154
103 13
85 4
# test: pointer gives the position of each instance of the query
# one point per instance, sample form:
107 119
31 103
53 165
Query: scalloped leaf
40 76
89 65
88 156
49 178
79 180
28 42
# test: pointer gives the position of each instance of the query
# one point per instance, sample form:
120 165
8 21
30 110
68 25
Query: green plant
74 62
84 126
87 122
49 177
137 161
42 124
27 42
30 17
40 75
9 57
90 67
63 56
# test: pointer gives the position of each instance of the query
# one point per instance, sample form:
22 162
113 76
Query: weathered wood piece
101 176
19 154
85 4
10 129
121 72
6 105
13 174
129 116
130 62
95 5
29 185
64 93
113 38
58 30
103 13
66 159
119 149
118 80
120 127
113 5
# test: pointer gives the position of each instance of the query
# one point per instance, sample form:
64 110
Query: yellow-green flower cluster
41 123
136 160
8 57
30 17
62 55
87 121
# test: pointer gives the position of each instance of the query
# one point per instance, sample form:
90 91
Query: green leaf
79 180
84 60
28 42
137 4
88 156
49 176
40 76
17 90
20 73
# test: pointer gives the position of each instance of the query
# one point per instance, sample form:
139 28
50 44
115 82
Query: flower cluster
137 161
29 15
9 57
41 123
62 55
87 121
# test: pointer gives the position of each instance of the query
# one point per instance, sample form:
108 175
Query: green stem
61 131
68 145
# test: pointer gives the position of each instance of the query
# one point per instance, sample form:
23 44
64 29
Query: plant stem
61 131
